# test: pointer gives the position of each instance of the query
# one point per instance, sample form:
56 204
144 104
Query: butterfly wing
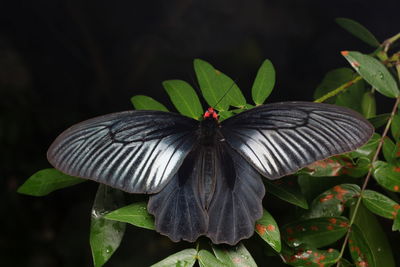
279 139
135 151
215 193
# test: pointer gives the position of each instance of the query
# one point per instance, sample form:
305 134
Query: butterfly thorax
208 128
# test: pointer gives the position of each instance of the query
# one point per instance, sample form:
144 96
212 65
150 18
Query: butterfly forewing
279 139
135 151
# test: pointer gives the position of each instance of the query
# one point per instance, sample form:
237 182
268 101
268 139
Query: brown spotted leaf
268 229
387 175
359 249
332 202
316 232
380 204
310 257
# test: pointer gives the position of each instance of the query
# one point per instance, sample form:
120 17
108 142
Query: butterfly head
210 113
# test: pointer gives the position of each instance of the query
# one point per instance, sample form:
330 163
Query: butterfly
205 177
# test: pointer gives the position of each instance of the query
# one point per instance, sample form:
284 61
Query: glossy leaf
359 249
263 83
374 72
184 258
396 223
332 202
288 190
184 98
316 232
310 257
105 235
368 105
142 102
268 229
379 120
387 175
374 237
368 149
380 204
358 31
135 214
215 85
237 256
207 259
395 127
348 98
391 151
46 181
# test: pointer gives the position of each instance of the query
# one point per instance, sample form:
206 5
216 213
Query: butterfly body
205 178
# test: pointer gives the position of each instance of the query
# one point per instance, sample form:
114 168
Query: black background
65 61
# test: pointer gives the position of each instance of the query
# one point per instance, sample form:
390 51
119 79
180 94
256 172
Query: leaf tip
344 53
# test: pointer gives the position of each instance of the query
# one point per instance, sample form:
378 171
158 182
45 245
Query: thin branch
338 90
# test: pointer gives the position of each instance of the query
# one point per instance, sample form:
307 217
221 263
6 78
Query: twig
338 90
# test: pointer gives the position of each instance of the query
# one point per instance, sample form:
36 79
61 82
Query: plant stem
388 42
367 178
338 90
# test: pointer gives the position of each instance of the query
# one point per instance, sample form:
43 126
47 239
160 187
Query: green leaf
368 150
310 257
135 214
237 256
387 175
215 85
142 102
379 120
380 204
46 181
268 229
348 98
374 72
263 83
332 202
395 127
184 98
359 249
288 190
390 150
184 258
358 31
374 237
396 223
207 259
105 235
368 105
316 232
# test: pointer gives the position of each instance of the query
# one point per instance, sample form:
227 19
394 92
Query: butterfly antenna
227 91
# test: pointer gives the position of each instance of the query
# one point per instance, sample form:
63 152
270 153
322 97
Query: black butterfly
205 177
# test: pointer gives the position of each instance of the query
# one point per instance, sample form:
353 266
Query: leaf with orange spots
268 229
359 249
316 232
332 202
287 189
313 257
237 256
387 175
326 167
374 72
380 204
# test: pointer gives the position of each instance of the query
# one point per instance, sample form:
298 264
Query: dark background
65 61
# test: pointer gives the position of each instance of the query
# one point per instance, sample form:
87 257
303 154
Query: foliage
335 213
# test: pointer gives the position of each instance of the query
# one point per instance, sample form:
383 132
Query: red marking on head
210 112
396 188
329 227
261 229
344 53
332 220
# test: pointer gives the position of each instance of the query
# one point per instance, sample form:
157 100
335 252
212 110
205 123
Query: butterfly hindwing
135 151
279 139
